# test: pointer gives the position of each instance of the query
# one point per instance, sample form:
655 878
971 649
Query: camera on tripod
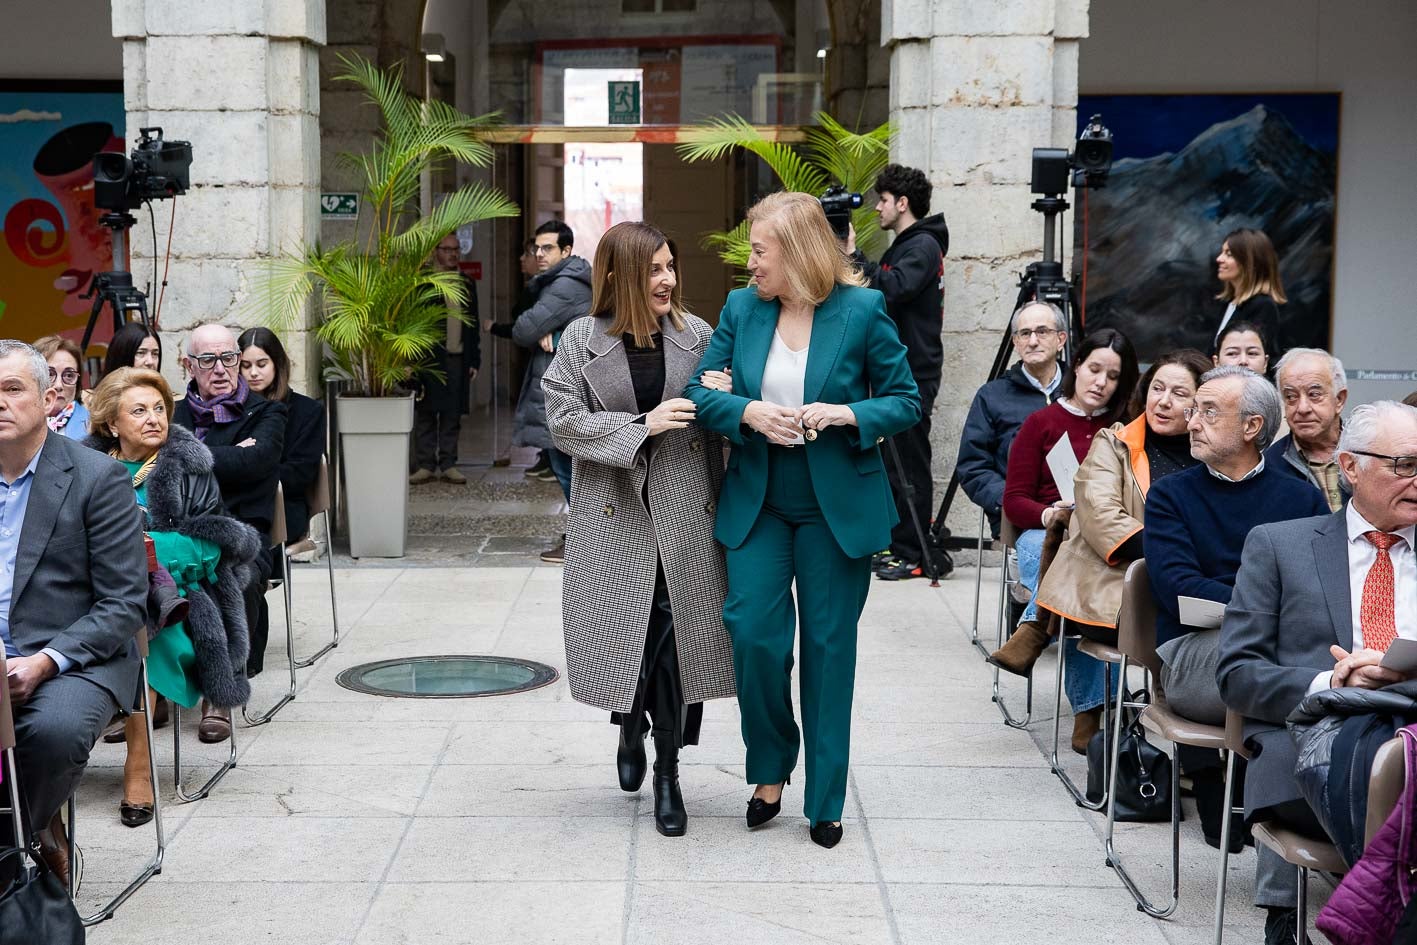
157 170
837 204
1054 169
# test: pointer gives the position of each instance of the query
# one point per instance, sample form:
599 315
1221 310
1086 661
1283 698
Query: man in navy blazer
72 596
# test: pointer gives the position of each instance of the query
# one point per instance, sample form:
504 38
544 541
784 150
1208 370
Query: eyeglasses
1025 334
544 249
1208 416
206 362
1403 467
69 376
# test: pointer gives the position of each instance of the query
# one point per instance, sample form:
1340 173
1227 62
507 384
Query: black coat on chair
247 474
300 460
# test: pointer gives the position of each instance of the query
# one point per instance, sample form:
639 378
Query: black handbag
1143 772
34 906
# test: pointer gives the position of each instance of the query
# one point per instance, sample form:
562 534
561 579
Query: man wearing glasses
245 433
1317 604
1196 524
1000 406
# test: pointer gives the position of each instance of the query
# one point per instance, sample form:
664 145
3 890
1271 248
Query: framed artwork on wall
1188 169
53 244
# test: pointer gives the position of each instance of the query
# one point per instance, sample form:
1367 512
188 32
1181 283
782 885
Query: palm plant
382 308
832 154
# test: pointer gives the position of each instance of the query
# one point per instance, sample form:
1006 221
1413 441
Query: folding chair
1111 656
319 502
1136 641
153 866
978 584
1009 538
277 540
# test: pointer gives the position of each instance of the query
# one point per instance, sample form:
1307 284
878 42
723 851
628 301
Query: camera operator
911 276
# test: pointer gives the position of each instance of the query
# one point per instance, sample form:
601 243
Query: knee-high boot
136 808
670 818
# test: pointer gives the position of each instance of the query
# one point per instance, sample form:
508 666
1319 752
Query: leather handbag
1143 772
34 905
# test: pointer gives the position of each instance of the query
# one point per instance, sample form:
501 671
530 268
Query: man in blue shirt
72 593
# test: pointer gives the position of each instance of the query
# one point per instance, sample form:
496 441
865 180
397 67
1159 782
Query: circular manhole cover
447 677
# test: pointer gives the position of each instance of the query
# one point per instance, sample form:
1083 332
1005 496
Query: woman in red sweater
1095 395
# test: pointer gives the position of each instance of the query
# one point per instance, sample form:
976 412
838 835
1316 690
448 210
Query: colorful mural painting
53 244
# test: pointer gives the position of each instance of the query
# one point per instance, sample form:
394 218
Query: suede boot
1085 725
1022 649
670 818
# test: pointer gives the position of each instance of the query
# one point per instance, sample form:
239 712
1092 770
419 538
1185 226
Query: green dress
172 660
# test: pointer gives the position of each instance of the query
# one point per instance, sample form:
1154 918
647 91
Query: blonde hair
103 406
623 258
813 262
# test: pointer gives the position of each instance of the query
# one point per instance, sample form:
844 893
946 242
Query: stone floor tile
214 909
555 849
978 793
496 913
991 852
722 849
374 744
700 913
291 850
256 790
970 914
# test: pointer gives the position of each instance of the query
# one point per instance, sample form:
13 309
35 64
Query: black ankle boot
1209 788
670 818
630 763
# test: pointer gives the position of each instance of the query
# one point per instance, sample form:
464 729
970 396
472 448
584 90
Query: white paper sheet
1401 656
1199 612
1063 464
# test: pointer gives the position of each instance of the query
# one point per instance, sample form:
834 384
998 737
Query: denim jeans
1083 682
560 466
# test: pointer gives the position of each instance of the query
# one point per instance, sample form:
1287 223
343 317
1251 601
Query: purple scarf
225 408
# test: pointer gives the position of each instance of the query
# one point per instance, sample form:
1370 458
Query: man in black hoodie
911 275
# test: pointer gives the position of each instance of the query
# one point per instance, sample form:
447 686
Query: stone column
974 87
241 82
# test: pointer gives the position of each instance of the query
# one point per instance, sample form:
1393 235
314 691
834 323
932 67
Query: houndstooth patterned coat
613 539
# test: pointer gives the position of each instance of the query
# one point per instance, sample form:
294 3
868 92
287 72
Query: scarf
224 408
61 420
142 474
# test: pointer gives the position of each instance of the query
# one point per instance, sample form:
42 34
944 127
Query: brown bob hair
620 281
49 344
103 405
1259 267
813 262
1191 359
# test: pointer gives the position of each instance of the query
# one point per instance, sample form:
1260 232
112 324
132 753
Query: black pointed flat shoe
826 835
760 811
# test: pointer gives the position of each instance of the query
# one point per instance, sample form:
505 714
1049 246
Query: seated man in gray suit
72 596
1318 601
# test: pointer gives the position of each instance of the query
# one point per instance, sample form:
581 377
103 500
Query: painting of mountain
1188 170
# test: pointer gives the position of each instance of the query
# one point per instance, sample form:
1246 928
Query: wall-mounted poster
1188 170
53 244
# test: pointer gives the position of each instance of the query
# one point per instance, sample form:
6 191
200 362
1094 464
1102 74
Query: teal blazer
855 358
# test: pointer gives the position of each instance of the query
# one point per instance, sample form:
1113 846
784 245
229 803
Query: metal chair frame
11 771
153 866
1080 794
978 584
277 540
1009 536
319 500
211 782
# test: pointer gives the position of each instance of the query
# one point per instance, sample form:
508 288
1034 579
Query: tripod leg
927 560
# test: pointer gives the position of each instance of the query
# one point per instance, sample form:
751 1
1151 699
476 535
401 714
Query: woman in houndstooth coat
642 599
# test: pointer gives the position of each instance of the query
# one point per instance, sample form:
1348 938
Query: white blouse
785 375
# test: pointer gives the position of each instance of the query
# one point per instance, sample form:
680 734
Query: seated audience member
73 541
1094 396
1000 406
245 434
68 415
133 345
266 368
1242 344
1313 388
1316 603
1084 583
198 651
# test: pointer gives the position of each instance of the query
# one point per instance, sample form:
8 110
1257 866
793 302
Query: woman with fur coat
208 553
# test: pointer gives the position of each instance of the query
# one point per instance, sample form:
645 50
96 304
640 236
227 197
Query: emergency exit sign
339 206
624 103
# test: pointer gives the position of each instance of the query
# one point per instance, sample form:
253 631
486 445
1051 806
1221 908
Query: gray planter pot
374 434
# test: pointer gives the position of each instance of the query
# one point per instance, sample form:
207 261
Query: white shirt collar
1358 526
1249 475
1076 411
1051 385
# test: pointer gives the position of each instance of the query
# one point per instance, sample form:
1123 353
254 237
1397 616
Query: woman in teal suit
806 376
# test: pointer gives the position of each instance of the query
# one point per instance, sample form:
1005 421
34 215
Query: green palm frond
381 310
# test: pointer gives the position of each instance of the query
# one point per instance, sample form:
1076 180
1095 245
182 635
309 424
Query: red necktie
1376 614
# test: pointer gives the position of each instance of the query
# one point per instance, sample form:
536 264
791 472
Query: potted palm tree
380 309
832 155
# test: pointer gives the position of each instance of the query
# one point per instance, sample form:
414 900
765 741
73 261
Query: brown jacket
1085 582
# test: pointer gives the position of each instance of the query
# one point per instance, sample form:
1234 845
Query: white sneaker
421 476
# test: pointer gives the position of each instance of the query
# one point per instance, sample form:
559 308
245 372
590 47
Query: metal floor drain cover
447 677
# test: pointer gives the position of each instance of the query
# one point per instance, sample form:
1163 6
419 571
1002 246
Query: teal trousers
792 541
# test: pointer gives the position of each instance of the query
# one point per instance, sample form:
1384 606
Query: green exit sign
624 103
339 206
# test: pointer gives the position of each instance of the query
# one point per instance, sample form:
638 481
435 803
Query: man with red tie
1317 604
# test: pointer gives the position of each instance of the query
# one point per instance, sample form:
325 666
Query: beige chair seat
1159 718
1100 651
1300 850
